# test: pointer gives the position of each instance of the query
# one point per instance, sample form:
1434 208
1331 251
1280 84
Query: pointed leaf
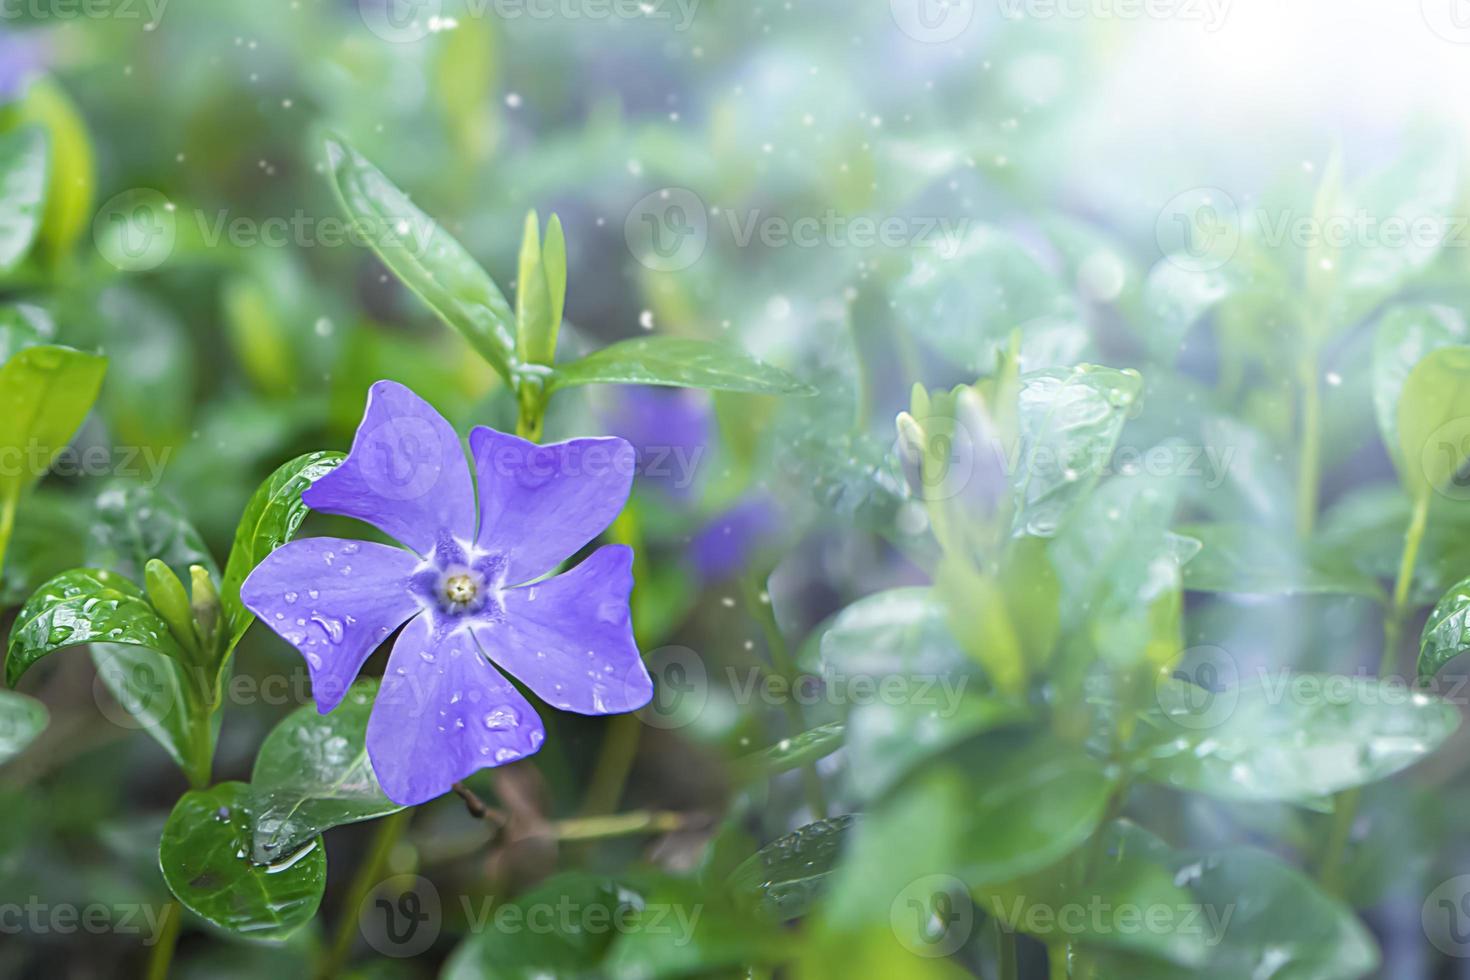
85 605
1404 337
533 297
271 518
23 165
1434 425
1447 632
784 879
677 362
425 257
313 774
21 720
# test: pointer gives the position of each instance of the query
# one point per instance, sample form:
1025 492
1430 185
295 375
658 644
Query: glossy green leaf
677 362
888 740
1404 337
1070 420
85 606
554 262
160 695
271 518
793 753
135 523
23 174
312 774
1257 916
784 879
1293 738
425 257
205 857
1446 633
1177 295
1246 559
1434 425
45 394
21 720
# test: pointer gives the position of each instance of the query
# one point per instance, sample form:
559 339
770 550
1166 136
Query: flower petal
570 638
540 504
406 474
442 713
336 601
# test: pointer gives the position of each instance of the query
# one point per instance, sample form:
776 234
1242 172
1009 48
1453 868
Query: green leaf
887 740
784 879
23 172
793 753
554 262
1288 928
531 954
1246 559
1293 738
1128 876
425 257
1176 296
312 774
159 695
1447 631
1070 420
85 606
1032 803
45 394
204 857
22 326
1434 425
664 939
901 632
135 523
677 362
271 518
70 184
965 300
1404 337
1121 570
21 720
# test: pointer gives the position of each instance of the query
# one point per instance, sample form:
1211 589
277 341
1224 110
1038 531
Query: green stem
7 525
1309 472
162 956
1005 952
758 601
369 875
620 825
1345 810
614 763
1056 959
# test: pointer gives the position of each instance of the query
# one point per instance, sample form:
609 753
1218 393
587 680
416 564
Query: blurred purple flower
23 54
470 590
671 429
728 542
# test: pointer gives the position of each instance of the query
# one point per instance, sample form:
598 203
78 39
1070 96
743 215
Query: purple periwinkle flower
469 582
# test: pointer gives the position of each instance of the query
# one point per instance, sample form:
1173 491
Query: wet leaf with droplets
205 855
